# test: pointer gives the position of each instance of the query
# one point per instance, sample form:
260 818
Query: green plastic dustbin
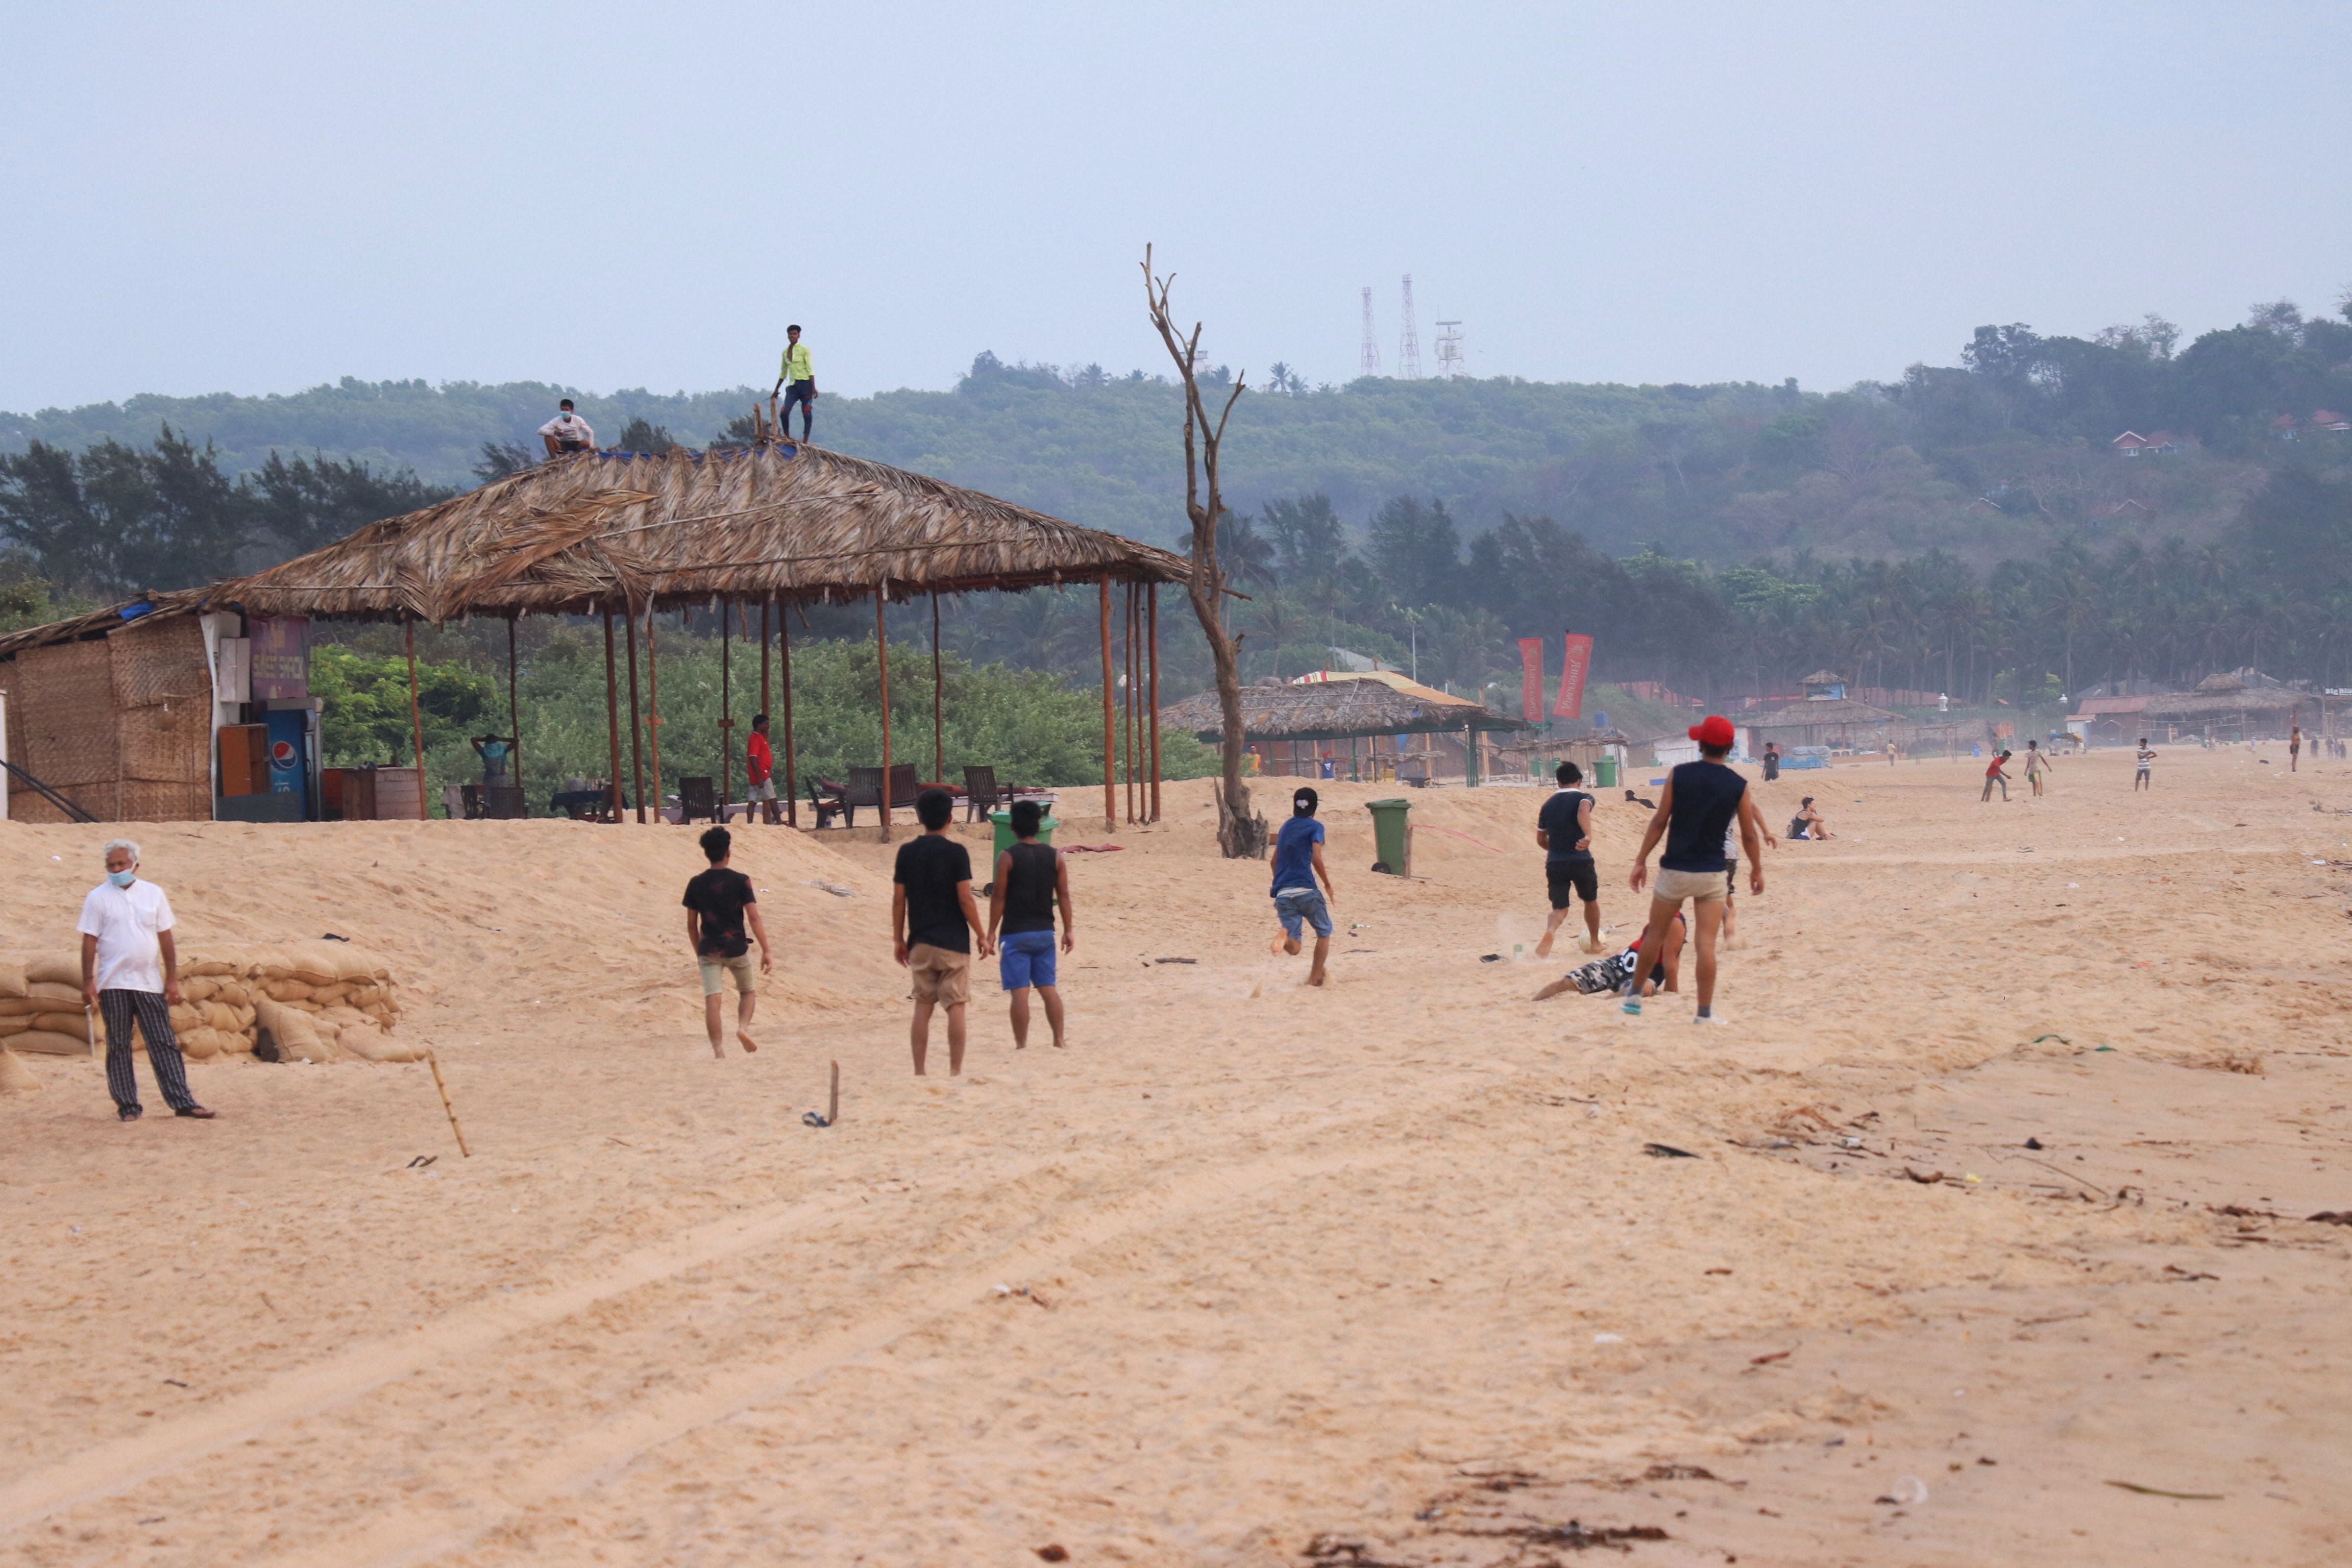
1392 843
1604 772
1004 823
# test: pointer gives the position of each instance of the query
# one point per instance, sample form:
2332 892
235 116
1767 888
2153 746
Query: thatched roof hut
790 521
1819 720
1333 710
2234 702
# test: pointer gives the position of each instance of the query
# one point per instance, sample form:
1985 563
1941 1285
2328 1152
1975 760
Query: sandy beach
1250 1274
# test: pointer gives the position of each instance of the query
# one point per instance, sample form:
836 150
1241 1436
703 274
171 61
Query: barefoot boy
1297 861
1564 828
1030 879
717 904
932 922
1700 802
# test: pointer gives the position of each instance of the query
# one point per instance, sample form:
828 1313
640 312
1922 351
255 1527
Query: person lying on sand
1029 880
717 903
1808 823
1607 975
1297 861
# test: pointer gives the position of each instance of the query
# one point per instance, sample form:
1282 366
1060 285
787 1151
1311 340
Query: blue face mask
122 878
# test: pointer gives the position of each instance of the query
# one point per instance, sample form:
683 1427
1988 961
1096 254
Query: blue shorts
1294 906
1024 959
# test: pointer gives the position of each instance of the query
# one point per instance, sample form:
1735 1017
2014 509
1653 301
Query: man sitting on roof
567 432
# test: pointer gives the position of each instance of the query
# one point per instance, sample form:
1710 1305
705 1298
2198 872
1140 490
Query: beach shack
1294 728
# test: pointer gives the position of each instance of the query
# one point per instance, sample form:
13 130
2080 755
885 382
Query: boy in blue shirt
1297 861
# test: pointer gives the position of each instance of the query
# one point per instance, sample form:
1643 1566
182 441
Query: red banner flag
1576 662
1531 679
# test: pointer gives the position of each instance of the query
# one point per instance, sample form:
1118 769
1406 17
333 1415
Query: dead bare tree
1240 833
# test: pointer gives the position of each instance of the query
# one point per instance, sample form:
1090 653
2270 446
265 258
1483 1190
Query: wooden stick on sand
434 1061
832 1101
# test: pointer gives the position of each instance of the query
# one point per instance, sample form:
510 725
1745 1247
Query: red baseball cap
1715 729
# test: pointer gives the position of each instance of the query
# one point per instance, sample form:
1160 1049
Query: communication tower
1372 361
1449 350
1409 345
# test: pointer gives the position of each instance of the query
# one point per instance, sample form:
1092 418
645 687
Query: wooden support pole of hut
784 646
1152 610
612 721
725 707
514 705
766 605
1111 749
938 724
882 660
1129 714
415 716
636 729
653 702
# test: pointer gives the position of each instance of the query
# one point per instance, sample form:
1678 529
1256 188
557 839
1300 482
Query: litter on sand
835 889
1175 961
2159 1492
1667 1152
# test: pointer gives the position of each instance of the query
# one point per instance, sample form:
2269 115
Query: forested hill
1990 460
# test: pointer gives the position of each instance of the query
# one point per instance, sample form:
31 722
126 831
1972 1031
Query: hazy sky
257 197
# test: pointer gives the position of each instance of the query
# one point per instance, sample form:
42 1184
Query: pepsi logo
281 753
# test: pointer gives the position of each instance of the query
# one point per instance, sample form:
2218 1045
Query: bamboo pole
939 730
726 707
766 605
1151 605
514 709
1134 708
882 656
416 718
612 721
784 646
653 702
451 1111
1110 752
636 729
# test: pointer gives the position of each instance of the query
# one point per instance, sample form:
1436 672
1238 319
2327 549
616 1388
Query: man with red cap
1695 811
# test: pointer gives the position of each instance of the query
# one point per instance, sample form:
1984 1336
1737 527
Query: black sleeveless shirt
1029 888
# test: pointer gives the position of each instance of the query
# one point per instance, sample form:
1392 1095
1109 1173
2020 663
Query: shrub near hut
326 1001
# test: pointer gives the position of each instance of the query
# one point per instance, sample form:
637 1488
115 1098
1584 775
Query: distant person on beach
567 432
1612 973
497 752
1808 824
796 379
2037 762
1297 862
2294 748
760 770
1564 828
1994 775
1030 879
1890 753
718 903
933 919
2143 758
1771 761
130 971
1731 864
1698 805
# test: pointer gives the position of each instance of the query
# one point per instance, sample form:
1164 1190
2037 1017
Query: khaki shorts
1703 886
940 976
761 791
715 970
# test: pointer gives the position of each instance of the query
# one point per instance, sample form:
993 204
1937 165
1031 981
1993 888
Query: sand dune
1250 1274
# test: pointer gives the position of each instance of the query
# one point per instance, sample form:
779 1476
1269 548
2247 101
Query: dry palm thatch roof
792 519
1331 710
1823 711
99 623
2218 696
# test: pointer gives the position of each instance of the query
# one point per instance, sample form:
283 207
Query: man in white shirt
567 432
129 969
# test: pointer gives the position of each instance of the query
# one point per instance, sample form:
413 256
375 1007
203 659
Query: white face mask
122 878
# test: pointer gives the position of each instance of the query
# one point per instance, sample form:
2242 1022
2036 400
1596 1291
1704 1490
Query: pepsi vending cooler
289 757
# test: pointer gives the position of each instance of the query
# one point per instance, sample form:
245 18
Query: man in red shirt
760 767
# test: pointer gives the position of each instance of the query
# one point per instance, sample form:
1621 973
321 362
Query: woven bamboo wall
121 724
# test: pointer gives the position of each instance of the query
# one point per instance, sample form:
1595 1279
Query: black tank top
1029 888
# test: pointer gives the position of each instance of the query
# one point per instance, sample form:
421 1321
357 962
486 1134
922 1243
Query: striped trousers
120 1008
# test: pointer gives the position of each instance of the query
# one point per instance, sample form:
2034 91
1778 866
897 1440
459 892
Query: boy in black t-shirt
933 919
718 902
1564 828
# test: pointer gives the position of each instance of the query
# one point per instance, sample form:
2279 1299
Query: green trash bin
1003 824
1391 838
1604 772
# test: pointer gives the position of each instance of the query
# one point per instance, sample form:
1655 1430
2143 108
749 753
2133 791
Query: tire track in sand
407 1537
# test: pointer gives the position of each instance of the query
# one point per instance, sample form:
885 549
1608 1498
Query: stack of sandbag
41 1006
305 1001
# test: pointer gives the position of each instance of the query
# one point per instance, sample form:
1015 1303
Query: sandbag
74 1023
354 963
286 989
315 962
16 1077
22 1006
53 992
185 1017
14 1024
212 968
291 1031
57 970
236 993
325 996
222 1016
197 989
42 1042
12 977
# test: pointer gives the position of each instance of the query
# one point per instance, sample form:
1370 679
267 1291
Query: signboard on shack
280 658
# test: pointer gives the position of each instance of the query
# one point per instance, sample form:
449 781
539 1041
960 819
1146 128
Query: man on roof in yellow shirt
797 380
